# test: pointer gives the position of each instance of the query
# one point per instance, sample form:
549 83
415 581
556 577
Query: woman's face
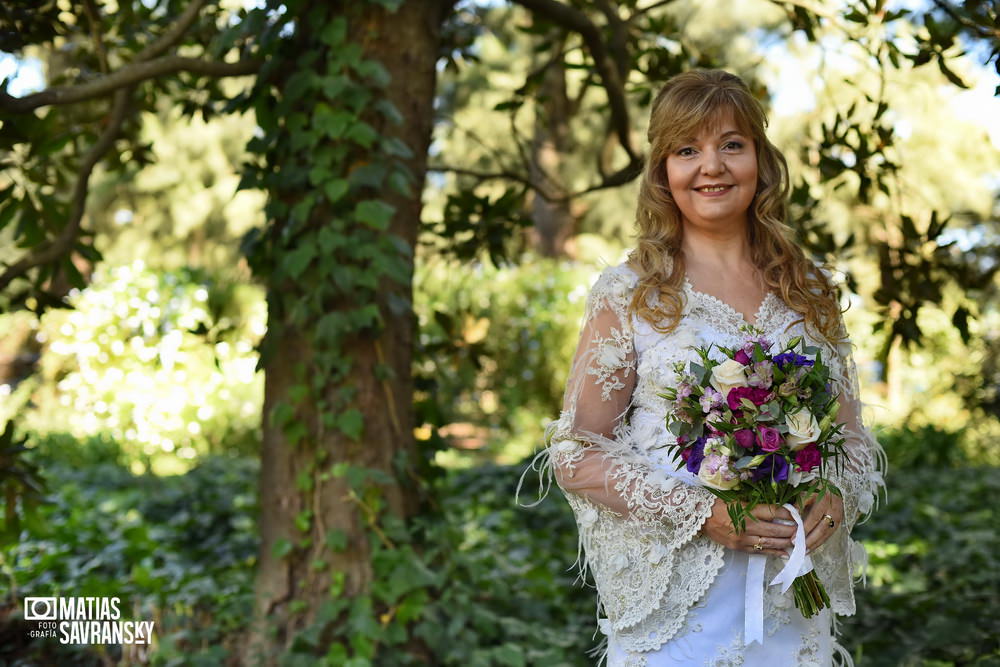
713 176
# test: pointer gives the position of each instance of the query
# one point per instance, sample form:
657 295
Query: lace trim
724 317
612 353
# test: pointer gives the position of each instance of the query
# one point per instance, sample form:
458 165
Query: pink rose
808 457
769 438
744 437
742 357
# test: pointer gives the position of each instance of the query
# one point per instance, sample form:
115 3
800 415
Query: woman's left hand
819 511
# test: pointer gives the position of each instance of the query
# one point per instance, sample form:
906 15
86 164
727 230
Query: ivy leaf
282 547
374 213
335 32
329 240
332 122
375 72
336 539
395 146
362 134
335 189
391 5
296 262
351 423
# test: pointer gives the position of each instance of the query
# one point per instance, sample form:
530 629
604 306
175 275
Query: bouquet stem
810 596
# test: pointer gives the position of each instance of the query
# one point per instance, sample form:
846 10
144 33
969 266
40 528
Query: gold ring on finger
760 545
829 520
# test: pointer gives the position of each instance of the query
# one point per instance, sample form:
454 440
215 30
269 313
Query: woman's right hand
775 538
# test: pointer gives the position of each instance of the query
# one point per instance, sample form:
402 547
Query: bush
495 345
934 553
177 550
485 582
161 362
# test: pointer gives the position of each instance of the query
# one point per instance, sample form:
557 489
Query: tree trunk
553 220
406 42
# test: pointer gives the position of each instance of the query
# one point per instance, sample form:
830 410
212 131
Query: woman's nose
712 163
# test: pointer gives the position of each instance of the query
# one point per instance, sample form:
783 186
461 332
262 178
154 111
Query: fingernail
784 556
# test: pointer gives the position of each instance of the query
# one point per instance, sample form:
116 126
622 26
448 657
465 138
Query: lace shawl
638 528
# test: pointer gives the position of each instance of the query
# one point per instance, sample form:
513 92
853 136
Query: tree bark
406 42
553 221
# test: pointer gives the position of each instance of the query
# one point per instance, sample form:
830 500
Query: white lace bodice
638 527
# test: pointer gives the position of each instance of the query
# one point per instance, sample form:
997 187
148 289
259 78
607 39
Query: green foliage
177 550
934 553
160 361
474 321
21 482
924 448
50 152
478 581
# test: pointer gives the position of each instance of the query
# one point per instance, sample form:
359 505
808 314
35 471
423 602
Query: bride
713 255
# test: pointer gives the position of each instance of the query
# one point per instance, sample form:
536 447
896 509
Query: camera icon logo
40 609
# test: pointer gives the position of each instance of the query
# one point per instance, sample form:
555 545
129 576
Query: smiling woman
713 255
713 177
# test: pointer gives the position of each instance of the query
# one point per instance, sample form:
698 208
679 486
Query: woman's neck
718 252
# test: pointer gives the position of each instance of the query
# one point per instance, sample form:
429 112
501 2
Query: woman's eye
735 145
684 152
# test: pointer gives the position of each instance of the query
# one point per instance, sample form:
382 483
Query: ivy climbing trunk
337 355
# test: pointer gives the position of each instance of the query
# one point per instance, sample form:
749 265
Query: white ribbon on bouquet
798 564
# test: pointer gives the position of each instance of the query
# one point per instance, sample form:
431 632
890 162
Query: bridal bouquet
759 428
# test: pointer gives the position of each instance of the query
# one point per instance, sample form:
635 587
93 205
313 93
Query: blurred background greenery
141 404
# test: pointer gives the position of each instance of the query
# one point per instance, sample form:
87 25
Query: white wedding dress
667 595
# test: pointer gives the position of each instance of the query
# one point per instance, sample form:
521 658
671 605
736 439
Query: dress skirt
713 631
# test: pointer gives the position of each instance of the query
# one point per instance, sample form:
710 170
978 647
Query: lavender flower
762 375
710 400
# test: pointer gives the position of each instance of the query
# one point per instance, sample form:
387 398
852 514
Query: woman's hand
775 539
816 517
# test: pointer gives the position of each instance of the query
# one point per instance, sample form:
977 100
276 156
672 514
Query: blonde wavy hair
686 104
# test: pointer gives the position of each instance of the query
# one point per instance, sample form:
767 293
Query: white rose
730 373
802 429
715 473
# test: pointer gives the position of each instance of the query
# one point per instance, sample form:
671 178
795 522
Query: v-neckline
758 314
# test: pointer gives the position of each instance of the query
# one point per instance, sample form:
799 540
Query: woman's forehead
719 122
715 124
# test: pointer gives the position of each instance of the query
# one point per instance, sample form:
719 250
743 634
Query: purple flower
683 391
742 357
764 343
808 457
774 467
762 375
710 399
745 438
697 453
770 438
791 358
713 417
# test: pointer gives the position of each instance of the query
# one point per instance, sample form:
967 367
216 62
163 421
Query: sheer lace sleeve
860 477
590 452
